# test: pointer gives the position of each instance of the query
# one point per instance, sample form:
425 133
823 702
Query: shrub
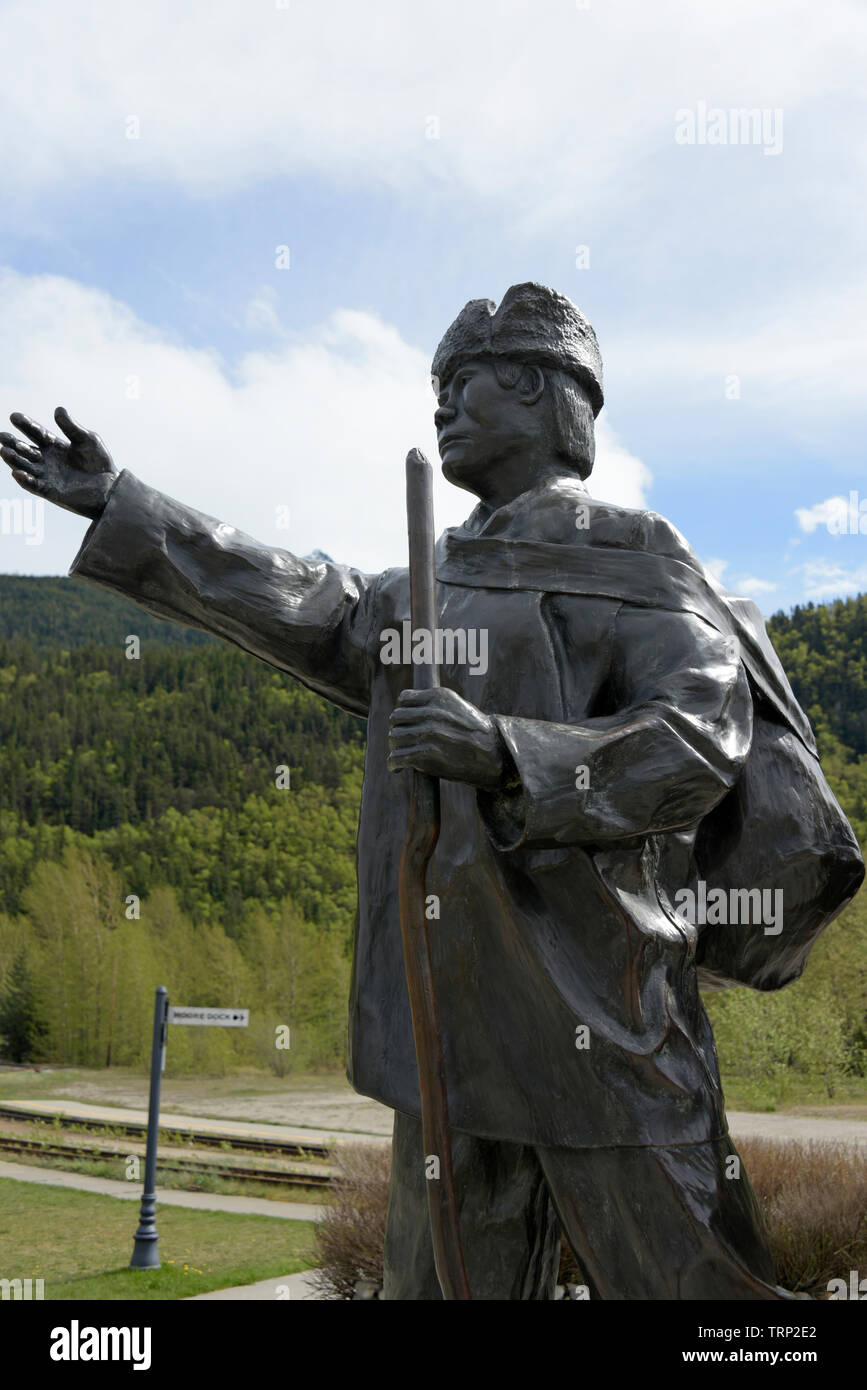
350 1237
813 1197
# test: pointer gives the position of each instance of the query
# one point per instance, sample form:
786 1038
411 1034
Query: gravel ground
312 1102
329 1103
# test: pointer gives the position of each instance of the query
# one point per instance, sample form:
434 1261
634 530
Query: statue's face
479 423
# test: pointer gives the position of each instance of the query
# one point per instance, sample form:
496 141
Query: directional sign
209 1018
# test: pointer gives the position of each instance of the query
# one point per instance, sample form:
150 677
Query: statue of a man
577 763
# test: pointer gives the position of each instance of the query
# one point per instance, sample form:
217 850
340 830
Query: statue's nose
443 414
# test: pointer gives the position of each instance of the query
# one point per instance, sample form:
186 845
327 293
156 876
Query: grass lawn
128 1085
80 1244
798 1095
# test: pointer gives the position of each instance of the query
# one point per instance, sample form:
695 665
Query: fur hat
533 324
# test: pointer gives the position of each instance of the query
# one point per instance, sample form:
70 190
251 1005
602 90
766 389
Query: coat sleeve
675 746
312 620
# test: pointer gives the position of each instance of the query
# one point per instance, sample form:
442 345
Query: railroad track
298 1177
203 1139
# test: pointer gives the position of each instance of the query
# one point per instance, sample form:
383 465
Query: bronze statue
628 748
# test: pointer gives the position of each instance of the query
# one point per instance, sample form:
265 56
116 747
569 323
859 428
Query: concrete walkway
297 1287
166 1197
754 1124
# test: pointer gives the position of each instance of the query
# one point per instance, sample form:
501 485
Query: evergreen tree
20 1023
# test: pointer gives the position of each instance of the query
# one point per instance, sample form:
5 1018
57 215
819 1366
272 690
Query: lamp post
146 1253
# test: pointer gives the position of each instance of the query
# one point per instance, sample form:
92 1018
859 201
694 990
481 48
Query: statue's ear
531 385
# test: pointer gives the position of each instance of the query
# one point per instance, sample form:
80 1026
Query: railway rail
202 1138
297 1177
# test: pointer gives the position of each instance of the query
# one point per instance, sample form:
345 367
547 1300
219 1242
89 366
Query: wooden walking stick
421 837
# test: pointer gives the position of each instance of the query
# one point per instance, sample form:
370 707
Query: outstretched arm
311 620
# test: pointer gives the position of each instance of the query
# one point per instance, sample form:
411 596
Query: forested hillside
146 837
129 751
72 613
824 651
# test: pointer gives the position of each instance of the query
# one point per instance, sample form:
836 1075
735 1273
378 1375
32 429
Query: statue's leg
509 1233
678 1222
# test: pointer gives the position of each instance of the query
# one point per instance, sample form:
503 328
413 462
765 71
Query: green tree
20 1023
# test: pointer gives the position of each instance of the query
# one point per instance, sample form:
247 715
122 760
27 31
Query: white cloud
618 475
261 314
226 94
738 584
716 567
825 579
841 516
805 353
321 426
833 509
750 585
563 117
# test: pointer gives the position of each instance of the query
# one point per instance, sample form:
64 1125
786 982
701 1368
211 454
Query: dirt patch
311 1102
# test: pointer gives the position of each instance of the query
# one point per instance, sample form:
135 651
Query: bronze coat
555 903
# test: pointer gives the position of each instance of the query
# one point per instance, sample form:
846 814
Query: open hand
438 732
77 475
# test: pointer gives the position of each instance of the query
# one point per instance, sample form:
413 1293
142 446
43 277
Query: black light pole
145 1254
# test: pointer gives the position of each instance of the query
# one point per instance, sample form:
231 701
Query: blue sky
154 160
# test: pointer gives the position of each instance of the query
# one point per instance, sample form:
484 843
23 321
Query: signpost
219 1018
145 1254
